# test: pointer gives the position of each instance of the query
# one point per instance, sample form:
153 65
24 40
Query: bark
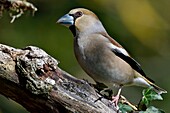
33 79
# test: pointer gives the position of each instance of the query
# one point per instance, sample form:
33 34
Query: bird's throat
73 30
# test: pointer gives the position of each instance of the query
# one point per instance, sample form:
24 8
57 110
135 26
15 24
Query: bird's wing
123 54
134 64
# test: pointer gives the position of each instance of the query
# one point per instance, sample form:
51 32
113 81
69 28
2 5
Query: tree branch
32 78
16 8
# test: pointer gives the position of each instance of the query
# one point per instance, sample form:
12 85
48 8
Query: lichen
30 79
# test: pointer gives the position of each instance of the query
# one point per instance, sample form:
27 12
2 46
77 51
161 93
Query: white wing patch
123 51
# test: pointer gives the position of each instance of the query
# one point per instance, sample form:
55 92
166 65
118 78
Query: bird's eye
78 14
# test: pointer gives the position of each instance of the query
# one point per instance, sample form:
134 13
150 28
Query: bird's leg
115 99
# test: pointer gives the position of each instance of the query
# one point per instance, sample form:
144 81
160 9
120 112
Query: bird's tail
157 89
143 81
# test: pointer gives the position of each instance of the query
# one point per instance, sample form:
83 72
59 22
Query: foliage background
141 26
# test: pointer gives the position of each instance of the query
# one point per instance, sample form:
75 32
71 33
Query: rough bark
32 78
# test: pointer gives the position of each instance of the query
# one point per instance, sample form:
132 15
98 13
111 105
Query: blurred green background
141 26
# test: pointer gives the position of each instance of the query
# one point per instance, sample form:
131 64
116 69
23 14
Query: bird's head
83 20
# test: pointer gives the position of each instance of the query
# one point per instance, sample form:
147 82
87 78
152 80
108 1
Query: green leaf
150 95
152 109
125 108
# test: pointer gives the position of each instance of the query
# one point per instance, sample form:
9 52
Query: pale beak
66 20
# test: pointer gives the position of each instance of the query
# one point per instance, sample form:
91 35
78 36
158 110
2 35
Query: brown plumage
100 56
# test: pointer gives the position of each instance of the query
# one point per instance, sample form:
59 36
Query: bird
102 57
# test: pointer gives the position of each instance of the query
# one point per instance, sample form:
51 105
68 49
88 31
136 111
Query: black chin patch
73 30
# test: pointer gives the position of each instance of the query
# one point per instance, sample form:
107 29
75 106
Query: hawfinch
100 56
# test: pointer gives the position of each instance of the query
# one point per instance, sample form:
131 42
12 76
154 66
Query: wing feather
120 52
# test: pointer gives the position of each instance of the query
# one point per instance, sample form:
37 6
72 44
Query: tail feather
158 89
143 81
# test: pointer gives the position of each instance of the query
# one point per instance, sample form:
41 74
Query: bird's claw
115 100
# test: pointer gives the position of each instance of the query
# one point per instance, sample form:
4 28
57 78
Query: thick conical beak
66 20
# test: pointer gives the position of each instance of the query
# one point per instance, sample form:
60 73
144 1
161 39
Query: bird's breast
101 63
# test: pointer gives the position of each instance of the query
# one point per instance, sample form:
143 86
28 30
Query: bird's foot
115 100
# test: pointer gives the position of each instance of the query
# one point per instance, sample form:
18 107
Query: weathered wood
32 78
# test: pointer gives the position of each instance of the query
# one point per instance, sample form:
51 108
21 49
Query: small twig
125 101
